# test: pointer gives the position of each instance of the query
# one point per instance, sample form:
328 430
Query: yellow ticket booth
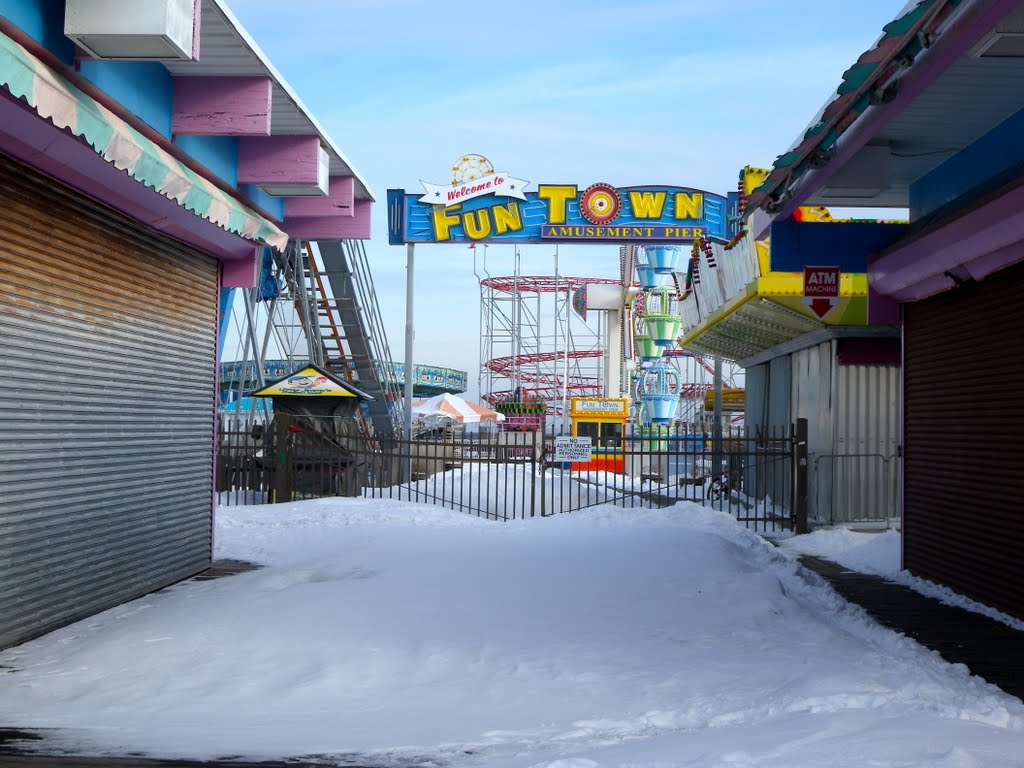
603 420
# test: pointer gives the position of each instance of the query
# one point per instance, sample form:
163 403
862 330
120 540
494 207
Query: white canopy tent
448 408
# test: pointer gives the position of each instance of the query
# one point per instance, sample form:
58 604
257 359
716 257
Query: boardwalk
990 649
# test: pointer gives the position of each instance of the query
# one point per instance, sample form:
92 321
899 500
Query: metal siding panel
779 386
963 461
866 439
106 408
756 396
851 414
812 386
778 482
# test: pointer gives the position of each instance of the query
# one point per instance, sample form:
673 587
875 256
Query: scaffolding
315 303
535 345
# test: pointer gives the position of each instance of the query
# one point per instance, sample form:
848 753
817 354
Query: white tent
453 407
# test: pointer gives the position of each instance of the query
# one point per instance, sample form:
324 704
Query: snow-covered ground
411 635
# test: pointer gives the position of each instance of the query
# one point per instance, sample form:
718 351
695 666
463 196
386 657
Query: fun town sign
482 205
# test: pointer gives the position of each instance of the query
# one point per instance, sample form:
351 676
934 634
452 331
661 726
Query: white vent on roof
1006 41
868 176
129 30
1001 45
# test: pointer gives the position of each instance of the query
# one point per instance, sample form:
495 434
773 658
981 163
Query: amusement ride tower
662 373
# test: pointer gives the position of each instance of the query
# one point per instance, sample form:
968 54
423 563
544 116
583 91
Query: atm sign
821 282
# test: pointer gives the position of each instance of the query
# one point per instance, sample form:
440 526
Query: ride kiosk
603 420
314 430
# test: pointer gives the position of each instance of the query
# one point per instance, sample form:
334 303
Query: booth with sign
603 420
314 427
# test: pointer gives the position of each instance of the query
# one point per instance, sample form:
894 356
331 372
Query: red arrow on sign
821 307
821 289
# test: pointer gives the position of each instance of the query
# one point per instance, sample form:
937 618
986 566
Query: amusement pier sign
482 205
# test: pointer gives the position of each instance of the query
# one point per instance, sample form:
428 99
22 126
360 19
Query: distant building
428 380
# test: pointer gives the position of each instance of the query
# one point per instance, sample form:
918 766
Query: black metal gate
757 477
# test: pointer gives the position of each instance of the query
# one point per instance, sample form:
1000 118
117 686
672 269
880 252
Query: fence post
543 484
282 490
800 475
533 472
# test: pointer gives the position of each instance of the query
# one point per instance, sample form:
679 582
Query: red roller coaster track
542 284
507 366
549 386
527 368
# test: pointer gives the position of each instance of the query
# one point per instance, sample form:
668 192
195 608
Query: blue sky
678 92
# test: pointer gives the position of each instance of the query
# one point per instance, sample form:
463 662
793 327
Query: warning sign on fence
573 448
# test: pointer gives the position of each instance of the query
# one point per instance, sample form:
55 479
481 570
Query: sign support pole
410 334
716 431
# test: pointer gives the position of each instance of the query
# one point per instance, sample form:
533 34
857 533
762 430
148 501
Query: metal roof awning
56 99
862 86
228 50
769 312
943 74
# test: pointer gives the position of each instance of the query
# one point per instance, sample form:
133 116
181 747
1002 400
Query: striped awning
55 98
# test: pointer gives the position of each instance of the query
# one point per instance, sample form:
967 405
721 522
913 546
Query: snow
392 634
874 552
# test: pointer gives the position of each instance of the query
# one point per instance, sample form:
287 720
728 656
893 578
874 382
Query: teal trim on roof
900 42
906 22
855 77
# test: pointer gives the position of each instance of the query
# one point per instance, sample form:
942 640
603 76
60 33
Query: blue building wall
998 151
43 21
218 153
799 244
146 88
272 205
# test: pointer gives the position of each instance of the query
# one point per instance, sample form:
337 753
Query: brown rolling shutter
964 422
107 390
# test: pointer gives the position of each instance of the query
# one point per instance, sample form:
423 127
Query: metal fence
758 477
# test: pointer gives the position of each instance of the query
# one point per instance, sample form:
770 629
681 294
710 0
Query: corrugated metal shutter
963 467
107 387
